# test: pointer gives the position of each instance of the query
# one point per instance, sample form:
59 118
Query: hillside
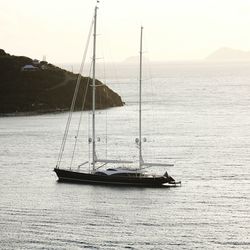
228 54
28 85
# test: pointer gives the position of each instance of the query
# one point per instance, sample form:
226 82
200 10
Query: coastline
32 113
44 112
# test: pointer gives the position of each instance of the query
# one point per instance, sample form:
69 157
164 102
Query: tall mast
93 92
140 80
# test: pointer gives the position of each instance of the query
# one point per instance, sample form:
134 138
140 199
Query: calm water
195 116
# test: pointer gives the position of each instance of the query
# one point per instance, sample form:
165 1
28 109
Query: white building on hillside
29 67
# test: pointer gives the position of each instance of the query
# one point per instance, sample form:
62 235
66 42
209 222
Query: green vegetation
45 88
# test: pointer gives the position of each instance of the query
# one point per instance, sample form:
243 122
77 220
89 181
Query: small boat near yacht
118 176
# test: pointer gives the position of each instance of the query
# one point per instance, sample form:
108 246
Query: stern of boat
171 181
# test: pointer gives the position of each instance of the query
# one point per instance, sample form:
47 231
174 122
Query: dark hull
78 177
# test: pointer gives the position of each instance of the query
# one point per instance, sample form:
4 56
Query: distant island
228 54
32 86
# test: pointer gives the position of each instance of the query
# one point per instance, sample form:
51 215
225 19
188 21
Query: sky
173 29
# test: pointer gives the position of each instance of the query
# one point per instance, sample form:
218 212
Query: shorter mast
93 92
140 80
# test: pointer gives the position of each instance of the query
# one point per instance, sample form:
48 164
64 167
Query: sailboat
120 175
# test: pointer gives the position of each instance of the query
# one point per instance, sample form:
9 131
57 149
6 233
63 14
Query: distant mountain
28 85
228 54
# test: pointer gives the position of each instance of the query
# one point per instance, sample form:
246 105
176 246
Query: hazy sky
174 29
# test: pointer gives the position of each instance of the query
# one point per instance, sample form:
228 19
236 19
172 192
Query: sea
195 115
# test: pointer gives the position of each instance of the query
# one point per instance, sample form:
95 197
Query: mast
140 80
93 92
